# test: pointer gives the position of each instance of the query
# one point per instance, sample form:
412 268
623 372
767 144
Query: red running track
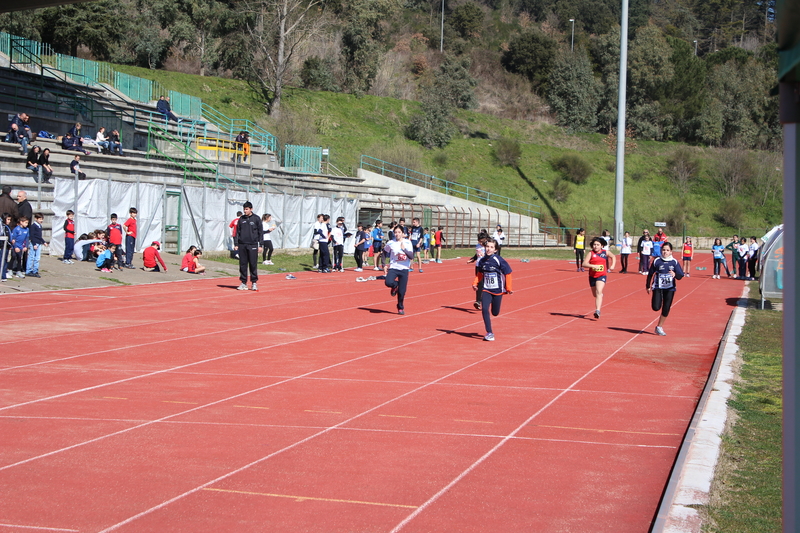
311 406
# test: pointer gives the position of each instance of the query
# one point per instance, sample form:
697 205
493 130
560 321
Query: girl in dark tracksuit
661 278
494 274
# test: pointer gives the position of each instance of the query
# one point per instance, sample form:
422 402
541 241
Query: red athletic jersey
438 238
687 249
69 229
149 257
187 262
130 227
114 232
598 259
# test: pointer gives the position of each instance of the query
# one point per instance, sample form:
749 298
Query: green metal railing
448 187
302 158
231 126
194 165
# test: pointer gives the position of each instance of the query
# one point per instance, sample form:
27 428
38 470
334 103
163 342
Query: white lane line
497 446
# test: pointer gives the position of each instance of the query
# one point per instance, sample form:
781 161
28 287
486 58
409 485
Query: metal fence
302 158
451 188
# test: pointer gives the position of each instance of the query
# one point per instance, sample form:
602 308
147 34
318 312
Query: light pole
695 48
572 45
441 39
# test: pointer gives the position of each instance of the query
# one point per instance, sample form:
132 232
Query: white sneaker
660 331
270 263
357 270
21 275
489 337
265 262
316 267
242 287
254 287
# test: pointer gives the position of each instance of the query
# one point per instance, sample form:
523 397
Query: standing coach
248 242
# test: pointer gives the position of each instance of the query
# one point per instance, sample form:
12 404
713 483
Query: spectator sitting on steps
21 120
33 162
44 164
101 140
165 109
69 142
17 137
114 142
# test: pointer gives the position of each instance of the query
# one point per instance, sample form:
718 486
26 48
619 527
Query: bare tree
733 171
275 29
682 169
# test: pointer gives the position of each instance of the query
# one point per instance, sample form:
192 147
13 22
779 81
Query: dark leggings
490 300
338 255
266 255
751 267
644 262
398 278
662 300
579 258
359 257
717 263
742 268
624 260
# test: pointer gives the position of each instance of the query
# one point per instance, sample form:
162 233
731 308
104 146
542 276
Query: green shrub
561 190
731 213
638 175
573 167
508 152
440 159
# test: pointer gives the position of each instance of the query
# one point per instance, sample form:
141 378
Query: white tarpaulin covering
206 213
97 199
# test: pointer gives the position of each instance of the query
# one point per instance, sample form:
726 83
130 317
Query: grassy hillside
369 125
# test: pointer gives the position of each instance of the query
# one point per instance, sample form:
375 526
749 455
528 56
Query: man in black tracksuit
248 242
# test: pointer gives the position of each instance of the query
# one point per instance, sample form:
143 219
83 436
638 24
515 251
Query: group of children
22 246
372 241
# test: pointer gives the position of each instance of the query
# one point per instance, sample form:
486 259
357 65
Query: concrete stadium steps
325 185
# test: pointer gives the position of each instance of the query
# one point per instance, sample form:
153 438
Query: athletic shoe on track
242 287
316 267
401 311
420 271
393 291
489 337
597 313
254 287
476 305
376 268
289 276
660 331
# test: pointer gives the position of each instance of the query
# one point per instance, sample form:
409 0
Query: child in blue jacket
19 245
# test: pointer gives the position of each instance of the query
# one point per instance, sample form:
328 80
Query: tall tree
573 92
362 36
274 30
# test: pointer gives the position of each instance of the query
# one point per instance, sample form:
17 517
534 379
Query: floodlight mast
572 43
619 225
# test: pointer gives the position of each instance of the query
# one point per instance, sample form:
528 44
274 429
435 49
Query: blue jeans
34 254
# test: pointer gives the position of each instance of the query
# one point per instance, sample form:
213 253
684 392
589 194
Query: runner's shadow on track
376 310
631 330
227 286
461 333
585 317
464 309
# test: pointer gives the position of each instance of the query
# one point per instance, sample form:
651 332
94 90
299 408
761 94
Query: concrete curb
690 483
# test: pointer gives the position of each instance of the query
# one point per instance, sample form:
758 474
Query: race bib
491 280
664 281
601 269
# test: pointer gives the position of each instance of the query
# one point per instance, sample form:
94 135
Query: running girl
600 262
719 258
400 253
661 278
687 255
494 274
